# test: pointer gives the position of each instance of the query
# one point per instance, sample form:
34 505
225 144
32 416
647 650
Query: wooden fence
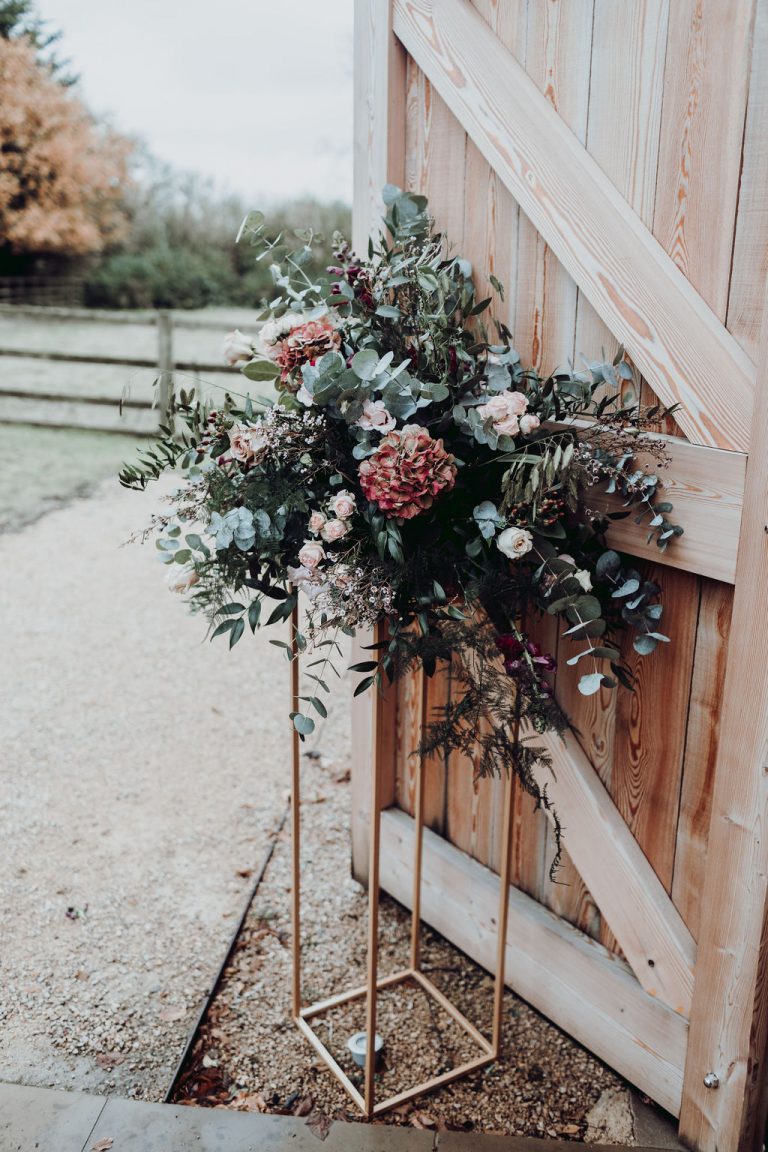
48 291
609 163
19 405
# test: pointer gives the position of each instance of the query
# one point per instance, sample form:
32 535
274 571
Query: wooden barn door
608 163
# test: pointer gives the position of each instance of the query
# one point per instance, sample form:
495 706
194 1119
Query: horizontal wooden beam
706 487
676 340
640 913
570 978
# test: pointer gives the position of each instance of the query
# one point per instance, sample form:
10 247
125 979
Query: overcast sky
257 93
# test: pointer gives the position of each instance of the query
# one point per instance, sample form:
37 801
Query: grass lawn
42 468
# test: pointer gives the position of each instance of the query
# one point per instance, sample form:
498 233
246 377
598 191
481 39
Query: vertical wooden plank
627 77
750 253
379 156
701 750
702 129
729 1018
437 692
557 58
470 807
651 723
434 161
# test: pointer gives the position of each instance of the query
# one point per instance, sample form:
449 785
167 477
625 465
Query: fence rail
70 409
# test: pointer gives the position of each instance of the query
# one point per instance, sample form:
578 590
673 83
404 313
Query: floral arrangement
406 470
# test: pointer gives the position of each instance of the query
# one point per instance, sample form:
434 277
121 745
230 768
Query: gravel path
143 774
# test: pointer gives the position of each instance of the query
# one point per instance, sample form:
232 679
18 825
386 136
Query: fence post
165 363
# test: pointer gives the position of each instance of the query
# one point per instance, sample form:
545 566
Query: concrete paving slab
135 1126
38 1120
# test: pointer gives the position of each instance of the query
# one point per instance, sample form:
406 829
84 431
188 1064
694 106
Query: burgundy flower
303 345
407 471
513 649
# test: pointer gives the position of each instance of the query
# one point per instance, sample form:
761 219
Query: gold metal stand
489 1049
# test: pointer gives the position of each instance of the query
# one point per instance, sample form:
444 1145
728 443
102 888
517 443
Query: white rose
334 530
237 349
529 423
305 581
311 554
343 505
182 577
317 523
376 417
514 542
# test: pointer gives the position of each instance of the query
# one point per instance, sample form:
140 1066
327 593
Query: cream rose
504 409
181 578
514 542
376 417
529 423
237 348
246 441
317 523
343 505
334 530
311 554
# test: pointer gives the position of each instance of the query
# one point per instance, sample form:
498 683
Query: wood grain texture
560 971
706 487
729 1020
706 82
626 85
545 313
434 155
643 919
750 251
651 725
701 750
671 333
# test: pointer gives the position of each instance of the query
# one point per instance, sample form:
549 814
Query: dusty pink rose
504 409
316 523
246 442
334 530
237 348
529 423
303 345
376 417
343 505
407 471
311 554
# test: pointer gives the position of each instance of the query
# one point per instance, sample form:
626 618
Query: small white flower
584 578
514 542
343 504
237 348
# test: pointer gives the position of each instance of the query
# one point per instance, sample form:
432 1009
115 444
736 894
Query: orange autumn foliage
62 176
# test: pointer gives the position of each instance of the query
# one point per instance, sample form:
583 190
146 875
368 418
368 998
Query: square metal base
317 1009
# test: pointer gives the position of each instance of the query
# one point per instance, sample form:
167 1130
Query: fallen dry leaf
103 1145
423 1120
319 1124
109 1060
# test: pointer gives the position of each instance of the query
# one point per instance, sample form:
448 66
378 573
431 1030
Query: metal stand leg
489 1049
295 828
